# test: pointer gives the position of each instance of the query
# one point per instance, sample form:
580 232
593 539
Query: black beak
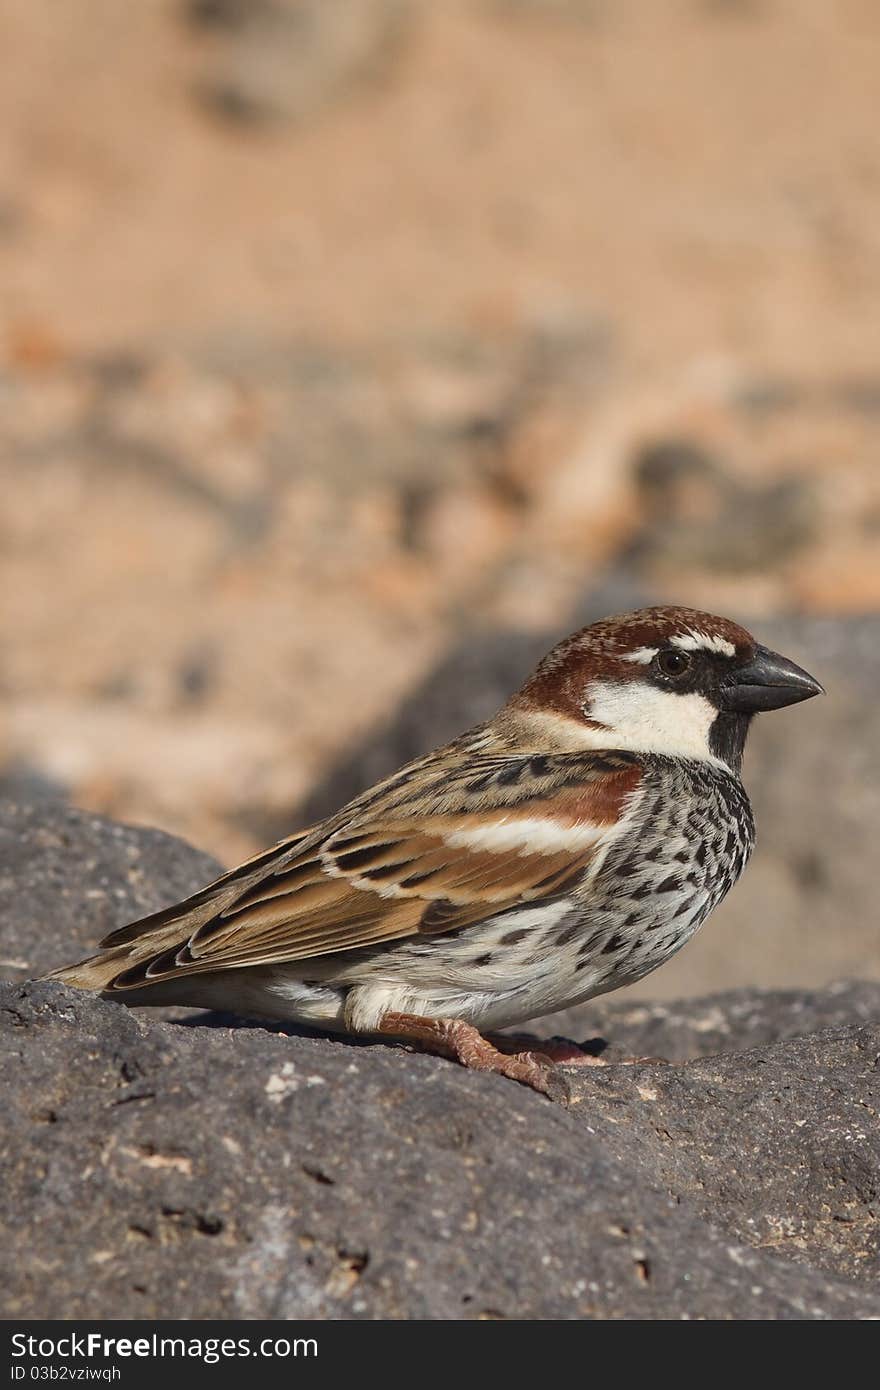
769 681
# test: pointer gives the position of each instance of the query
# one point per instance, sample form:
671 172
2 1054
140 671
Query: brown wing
414 860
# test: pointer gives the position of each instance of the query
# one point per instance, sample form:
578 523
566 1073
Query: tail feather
99 971
95 973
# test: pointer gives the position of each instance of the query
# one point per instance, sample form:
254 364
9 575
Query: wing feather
384 870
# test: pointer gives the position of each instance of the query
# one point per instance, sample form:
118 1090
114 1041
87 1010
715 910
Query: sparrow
567 846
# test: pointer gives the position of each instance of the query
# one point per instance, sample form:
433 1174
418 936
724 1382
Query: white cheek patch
703 642
642 719
643 656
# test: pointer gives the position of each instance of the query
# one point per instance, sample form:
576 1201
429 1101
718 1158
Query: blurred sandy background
341 339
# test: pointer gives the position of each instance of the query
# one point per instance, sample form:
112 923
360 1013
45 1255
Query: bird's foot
460 1041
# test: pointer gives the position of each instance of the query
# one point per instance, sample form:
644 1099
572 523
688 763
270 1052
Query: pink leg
460 1041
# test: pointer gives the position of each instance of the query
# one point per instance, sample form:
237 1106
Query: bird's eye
673 662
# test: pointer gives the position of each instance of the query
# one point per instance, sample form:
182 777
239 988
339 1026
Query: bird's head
672 681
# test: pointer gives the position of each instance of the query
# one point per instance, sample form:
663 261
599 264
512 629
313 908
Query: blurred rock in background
349 354
286 60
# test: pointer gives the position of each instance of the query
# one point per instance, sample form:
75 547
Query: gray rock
68 878
157 1170
679 1030
779 1146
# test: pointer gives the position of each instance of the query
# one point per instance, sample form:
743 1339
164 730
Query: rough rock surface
68 878
162 1169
